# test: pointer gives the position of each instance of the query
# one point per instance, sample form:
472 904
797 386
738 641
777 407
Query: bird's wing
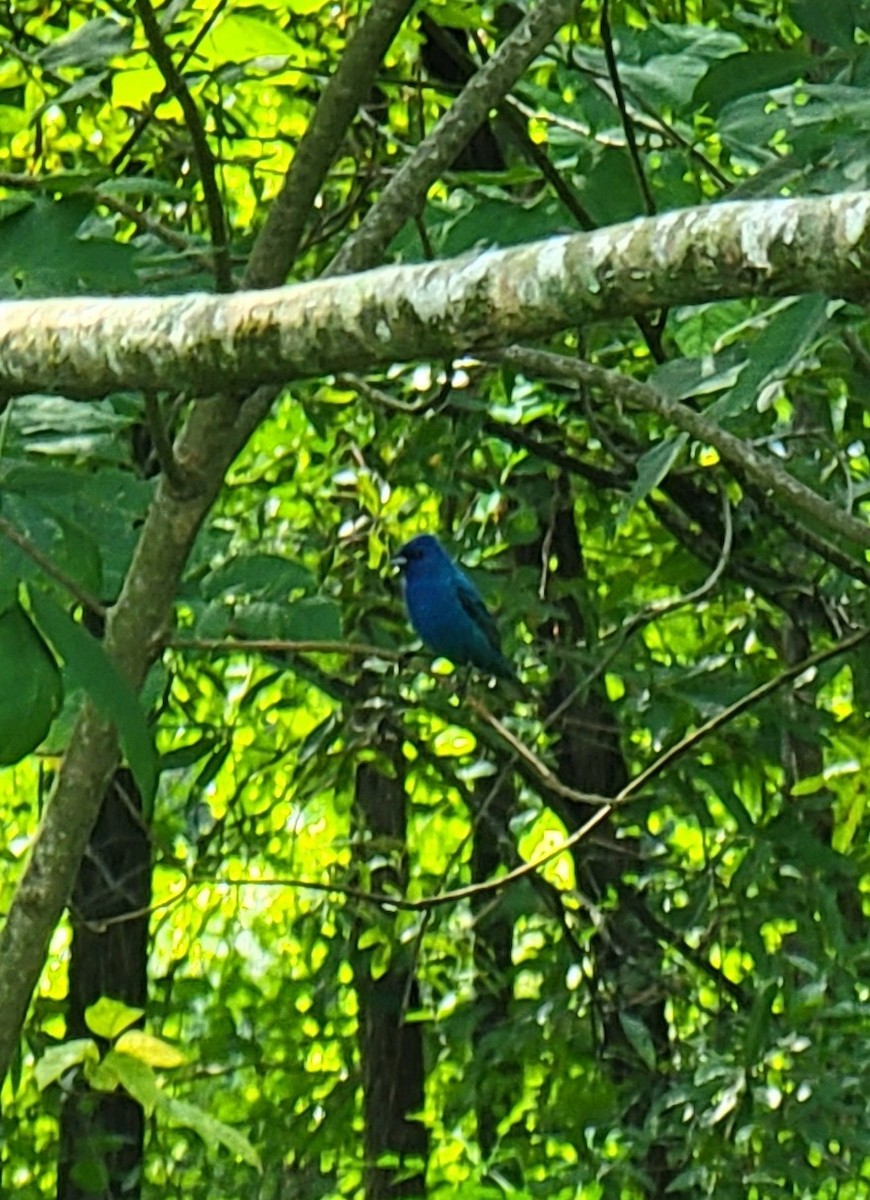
472 601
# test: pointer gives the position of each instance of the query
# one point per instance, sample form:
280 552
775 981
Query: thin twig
625 796
278 242
639 782
627 125
169 465
279 646
49 568
549 779
202 153
652 612
156 99
133 914
405 193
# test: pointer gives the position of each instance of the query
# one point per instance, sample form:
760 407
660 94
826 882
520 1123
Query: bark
89 347
278 242
102 1135
391 1047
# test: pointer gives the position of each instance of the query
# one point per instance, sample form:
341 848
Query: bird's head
418 554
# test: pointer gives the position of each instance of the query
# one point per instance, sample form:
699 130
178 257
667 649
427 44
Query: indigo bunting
446 609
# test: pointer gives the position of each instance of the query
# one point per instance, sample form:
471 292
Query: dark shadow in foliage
102 1135
391 1047
499 1082
625 990
445 56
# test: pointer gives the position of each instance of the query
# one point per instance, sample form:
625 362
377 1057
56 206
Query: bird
446 609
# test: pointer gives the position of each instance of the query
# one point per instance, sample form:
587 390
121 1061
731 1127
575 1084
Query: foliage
683 1000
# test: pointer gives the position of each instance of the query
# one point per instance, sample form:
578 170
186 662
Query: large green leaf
265 575
652 467
42 254
90 45
212 1131
315 618
776 352
832 24
87 666
746 73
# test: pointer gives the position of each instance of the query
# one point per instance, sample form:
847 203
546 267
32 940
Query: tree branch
276 246
90 347
406 192
214 432
629 793
760 471
205 161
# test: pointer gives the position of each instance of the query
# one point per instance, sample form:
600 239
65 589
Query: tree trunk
101 1136
391 1047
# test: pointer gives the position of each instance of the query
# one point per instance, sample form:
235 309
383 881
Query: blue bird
446 609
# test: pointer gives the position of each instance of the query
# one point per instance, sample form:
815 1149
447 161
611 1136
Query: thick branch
206 447
89 347
405 194
278 242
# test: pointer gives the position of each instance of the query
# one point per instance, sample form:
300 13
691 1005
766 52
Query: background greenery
680 1002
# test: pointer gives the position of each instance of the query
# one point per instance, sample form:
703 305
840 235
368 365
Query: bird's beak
399 560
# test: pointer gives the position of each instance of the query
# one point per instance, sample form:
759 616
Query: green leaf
107 1017
88 667
57 507
185 756
314 618
149 1049
684 377
809 785
640 1038
103 1076
90 45
774 354
238 38
652 467
57 1060
832 23
749 72
267 576
213 1132
31 685
135 1077
42 254
759 1022
69 544
9 558
848 817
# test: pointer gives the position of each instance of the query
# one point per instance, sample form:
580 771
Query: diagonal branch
738 454
214 432
406 192
665 760
205 160
275 250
